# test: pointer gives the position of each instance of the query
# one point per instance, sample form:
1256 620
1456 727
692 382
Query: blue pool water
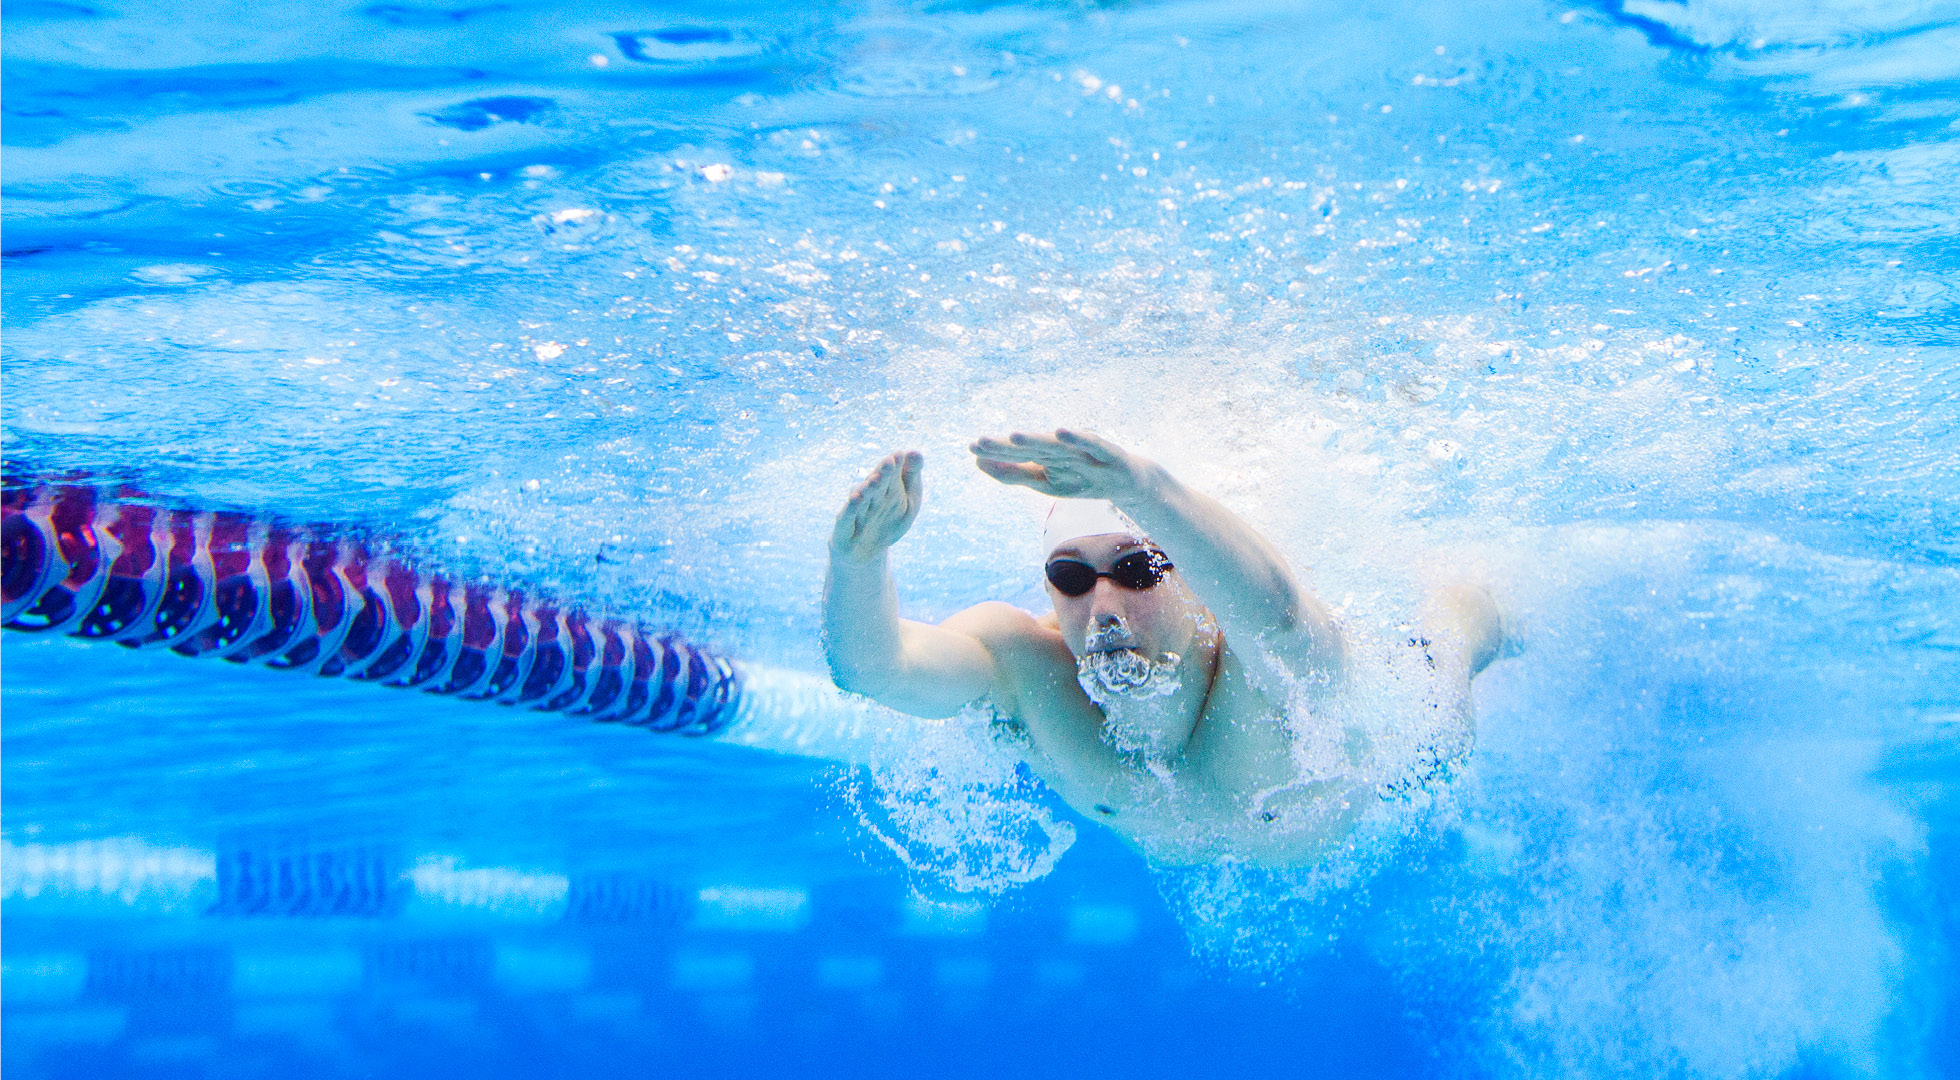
1645 312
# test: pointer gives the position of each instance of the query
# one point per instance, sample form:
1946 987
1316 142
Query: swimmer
1155 697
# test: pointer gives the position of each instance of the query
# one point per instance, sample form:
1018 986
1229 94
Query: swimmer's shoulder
1027 650
996 623
1018 640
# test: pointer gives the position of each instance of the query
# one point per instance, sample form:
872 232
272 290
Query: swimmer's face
1154 621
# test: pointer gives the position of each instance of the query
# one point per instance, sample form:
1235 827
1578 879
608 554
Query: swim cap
1073 519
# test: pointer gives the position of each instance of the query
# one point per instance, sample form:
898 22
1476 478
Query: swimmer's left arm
1243 579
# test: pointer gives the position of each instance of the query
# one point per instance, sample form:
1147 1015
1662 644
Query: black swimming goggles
1137 570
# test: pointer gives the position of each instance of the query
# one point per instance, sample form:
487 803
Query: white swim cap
1073 519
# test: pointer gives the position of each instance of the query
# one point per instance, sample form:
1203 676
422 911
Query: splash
960 812
1373 765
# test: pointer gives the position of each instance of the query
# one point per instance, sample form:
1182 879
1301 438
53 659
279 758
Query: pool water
1644 312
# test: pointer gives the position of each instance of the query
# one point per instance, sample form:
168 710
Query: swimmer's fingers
1067 464
895 496
911 480
1109 470
1058 482
1040 447
1091 445
1009 472
844 533
864 498
878 510
988 447
1064 449
850 519
1023 447
882 491
893 499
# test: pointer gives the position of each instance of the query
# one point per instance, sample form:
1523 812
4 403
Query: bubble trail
229 585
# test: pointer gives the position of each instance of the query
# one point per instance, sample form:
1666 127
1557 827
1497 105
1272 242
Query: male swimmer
1155 697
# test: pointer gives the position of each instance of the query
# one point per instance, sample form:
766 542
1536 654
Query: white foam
442 882
953 809
936 918
743 907
124 870
799 713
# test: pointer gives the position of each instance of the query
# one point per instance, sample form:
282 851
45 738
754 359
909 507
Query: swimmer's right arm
914 667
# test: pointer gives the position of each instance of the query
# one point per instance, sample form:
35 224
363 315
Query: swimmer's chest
1238 745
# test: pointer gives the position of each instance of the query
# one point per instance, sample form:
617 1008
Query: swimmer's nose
1105 602
1108 631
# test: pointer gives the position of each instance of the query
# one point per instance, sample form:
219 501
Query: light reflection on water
1647 315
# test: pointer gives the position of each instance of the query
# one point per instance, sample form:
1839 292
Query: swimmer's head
1122 608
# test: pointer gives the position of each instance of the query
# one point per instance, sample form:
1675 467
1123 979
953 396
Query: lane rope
251 591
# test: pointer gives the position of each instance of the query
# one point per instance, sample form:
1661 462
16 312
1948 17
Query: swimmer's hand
1067 464
880 509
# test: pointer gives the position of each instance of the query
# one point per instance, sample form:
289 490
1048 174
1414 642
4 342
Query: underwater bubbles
1377 765
960 812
